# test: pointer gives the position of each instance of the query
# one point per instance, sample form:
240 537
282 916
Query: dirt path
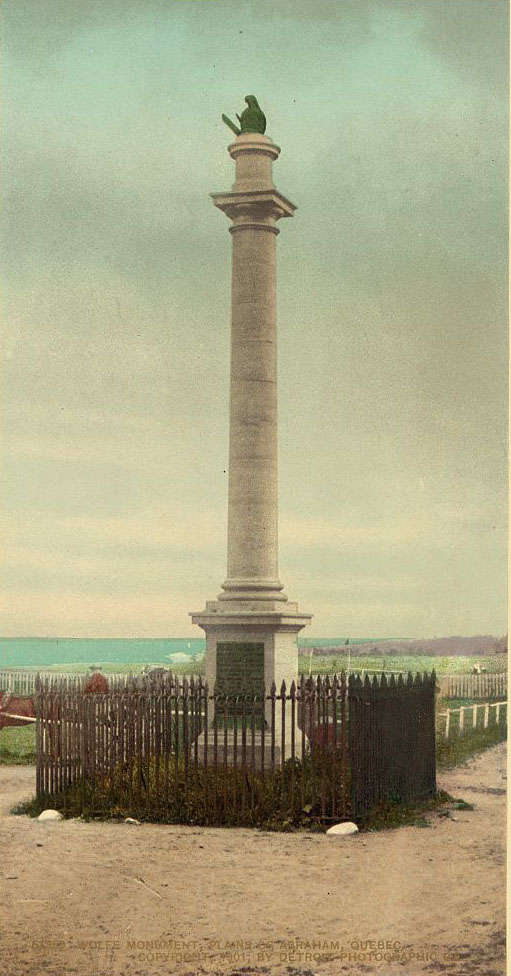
118 900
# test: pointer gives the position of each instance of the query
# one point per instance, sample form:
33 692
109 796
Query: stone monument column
254 206
251 629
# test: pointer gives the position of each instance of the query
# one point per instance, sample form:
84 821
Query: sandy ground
109 899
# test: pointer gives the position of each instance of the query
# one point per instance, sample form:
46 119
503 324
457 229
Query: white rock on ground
50 815
343 829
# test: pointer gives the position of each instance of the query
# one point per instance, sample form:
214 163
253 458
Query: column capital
264 206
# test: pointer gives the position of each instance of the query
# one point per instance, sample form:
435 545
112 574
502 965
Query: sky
392 310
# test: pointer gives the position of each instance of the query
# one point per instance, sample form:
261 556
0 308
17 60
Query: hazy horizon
68 652
392 310
304 637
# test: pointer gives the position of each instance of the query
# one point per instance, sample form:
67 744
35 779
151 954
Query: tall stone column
252 540
252 628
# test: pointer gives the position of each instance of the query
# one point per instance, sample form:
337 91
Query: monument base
249 647
260 755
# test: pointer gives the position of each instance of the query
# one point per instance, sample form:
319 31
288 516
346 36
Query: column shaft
252 547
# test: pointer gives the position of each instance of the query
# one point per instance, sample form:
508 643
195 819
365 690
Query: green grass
17 745
326 664
459 748
117 667
468 718
392 813
444 703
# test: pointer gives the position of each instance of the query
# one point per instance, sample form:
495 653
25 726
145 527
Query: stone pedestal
251 629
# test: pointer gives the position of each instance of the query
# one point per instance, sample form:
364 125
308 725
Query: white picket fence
468 717
21 682
483 686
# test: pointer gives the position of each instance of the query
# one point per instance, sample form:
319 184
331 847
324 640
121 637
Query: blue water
43 652
40 652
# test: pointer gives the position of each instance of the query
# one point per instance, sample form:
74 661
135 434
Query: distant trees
479 646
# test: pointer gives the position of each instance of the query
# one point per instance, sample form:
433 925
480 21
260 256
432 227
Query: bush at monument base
224 796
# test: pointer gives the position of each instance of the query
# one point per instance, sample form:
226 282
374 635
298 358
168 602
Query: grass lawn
328 664
495 664
458 748
17 745
117 667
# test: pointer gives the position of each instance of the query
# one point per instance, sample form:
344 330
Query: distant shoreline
69 652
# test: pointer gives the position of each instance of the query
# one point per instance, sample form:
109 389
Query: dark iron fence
165 748
486 687
392 740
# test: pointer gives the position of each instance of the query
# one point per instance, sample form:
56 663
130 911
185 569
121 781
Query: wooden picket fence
165 748
467 718
473 686
19 681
